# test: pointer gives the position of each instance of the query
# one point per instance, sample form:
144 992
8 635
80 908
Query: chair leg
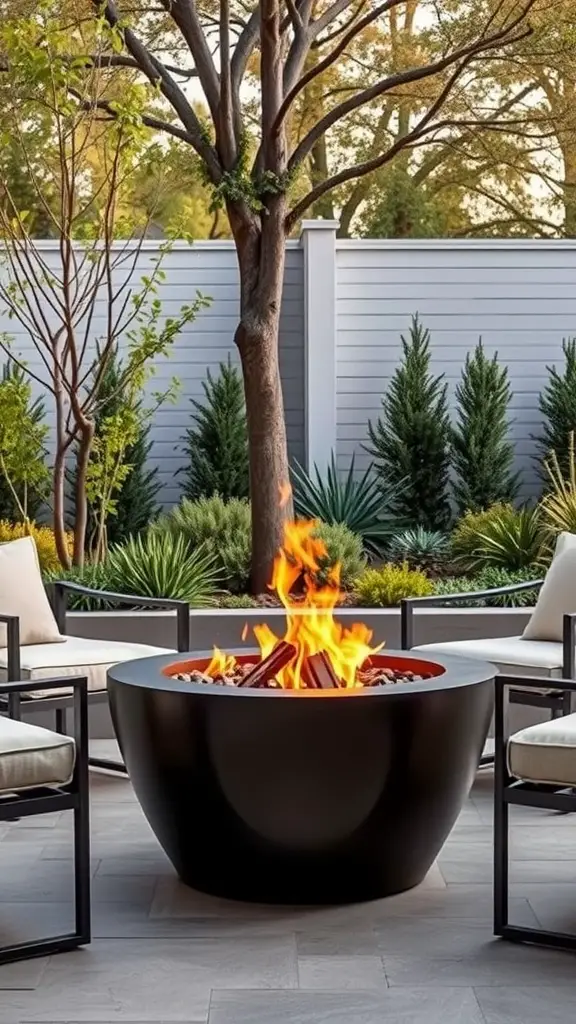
60 721
501 836
82 851
500 817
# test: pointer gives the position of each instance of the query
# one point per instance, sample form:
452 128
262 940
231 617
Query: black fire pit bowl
302 797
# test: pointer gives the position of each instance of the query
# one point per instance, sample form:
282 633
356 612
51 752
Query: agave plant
420 547
360 504
513 540
162 565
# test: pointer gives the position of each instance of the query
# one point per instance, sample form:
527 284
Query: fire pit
315 769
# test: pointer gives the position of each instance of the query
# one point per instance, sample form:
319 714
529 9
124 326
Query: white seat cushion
30 757
541 657
545 753
76 657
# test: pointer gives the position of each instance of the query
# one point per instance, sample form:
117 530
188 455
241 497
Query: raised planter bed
224 626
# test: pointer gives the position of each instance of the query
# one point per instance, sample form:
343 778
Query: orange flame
220 663
311 626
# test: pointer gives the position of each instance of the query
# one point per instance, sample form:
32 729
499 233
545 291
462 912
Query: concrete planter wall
224 628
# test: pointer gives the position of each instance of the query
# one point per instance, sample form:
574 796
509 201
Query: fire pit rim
458 672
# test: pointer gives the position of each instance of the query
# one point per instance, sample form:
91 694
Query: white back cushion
556 599
22 593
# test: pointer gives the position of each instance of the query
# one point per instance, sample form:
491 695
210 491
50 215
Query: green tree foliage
557 404
410 441
54 92
24 476
482 452
216 445
135 484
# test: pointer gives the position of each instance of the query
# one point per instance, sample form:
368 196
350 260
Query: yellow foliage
558 506
387 586
43 537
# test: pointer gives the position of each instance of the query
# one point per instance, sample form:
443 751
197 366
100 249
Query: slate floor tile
408 1006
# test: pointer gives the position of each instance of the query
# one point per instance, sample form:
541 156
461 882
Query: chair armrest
13 672
408 604
568 646
61 589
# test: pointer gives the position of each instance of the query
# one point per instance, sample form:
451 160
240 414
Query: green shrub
482 452
385 587
411 440
420 548
135 500
360 503
511 539
344 547
162 565
464 536
216 445
237 601
493 576
24 475
223 528
557 404
97 577
458 585
490 578
558 506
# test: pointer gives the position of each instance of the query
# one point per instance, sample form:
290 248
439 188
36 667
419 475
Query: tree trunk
261 256
59 525
80 501
59 475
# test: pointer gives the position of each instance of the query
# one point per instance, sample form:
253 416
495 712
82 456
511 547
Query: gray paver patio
163 954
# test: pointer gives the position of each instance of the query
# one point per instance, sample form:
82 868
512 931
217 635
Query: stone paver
163 954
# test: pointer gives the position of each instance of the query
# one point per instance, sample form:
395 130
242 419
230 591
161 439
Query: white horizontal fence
345 305
518 296
209 268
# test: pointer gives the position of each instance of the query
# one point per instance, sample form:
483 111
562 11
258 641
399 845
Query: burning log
318 674
269 667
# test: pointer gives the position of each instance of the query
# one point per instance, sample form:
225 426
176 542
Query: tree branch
184 13
420 130
273 148
293 88
464 54
226 139
243 51
122 61
158 75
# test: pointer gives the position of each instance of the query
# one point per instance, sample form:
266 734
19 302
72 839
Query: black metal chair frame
510 791
557 703
46 800
60 704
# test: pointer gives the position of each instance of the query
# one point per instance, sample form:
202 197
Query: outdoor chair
535 767
548 659
42 772
545 649
37 644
